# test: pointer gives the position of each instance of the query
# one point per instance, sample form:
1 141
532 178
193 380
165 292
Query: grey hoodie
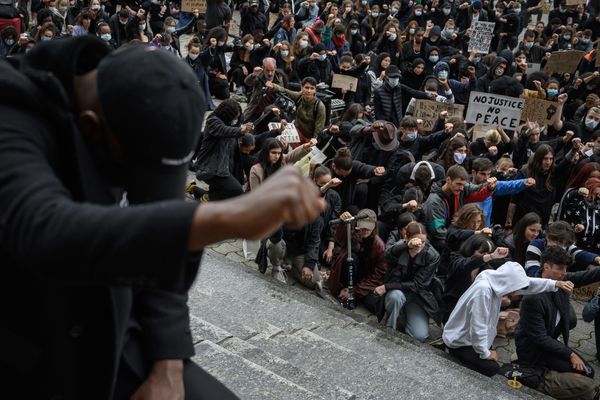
473 321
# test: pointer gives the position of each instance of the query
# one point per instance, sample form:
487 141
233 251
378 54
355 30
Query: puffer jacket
388 103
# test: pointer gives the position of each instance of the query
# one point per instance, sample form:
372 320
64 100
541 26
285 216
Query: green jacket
310 118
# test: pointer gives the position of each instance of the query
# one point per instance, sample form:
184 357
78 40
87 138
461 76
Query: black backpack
8 9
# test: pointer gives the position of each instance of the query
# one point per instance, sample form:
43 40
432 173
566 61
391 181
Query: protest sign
191 5
563 61
493 110
538 110
481 37
344 82
533 67
429 111
585 293
290 134
315 156
575 2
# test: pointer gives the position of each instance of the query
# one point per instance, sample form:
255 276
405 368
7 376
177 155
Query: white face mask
106 37
446 11
46 38
411 135
322 57
285 53
142 27
411 31
171 29
96 7
418 13
193 56
393 82
353 31
375 14
459 158
392 37
304 44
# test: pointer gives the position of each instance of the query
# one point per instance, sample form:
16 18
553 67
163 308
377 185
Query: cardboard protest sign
585 293
538 110
493 110
429 110
344 82
575 2
191 5
290 134
481 37
315 156
563 61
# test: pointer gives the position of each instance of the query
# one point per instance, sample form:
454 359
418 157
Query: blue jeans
417 320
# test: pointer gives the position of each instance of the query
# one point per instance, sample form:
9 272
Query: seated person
445 200
559 233
409 282
545 317
368 262
471 327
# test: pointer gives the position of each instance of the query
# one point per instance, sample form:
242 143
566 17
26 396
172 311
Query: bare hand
379 290
493 150
344 293
529 182
307 274
583 192
345 216
491 183
579 228
411 206
334 182
310 144
328 255
493 356
566 286
577 363
334 129
500 252
379 171
257 71
562 98
213 42
164 382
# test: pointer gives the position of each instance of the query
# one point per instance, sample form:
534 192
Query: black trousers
472 360
222 188
199 384
218 87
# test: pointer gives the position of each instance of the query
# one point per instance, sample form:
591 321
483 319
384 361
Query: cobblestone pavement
581 338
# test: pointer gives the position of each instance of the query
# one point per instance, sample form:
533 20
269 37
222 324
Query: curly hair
228 110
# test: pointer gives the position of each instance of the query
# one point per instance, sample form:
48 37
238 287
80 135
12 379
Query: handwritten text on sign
428 111
346 82
493 109
191 5
481 37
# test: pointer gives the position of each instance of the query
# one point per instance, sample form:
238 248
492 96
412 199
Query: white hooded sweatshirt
473 321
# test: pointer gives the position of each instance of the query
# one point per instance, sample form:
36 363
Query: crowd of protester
459 224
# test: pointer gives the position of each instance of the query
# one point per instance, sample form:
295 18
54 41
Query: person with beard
106 316
369 267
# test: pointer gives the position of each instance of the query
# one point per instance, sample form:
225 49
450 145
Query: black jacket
537 333
414 276
388 103
74 262
215 157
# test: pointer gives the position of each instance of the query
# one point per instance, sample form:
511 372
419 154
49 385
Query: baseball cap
154 105
392 72
368 223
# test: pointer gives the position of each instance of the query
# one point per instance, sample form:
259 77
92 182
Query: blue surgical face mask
393 82
591 123
375 14
285 53
476 60
392 37
45 38
567 37
552 92
234 122
364 2
142 27
411 136
529 44
171 29
106 37
412 31
393 10
304 44
354 31
459 158
585 40
443 74
9 42
434 58
322 57
446 11
418 13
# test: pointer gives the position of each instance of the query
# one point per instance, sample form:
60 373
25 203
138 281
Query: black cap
392 72
154 105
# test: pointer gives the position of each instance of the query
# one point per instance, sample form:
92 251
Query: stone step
246 379
285 323
317 384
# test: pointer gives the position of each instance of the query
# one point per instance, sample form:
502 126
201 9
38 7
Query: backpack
8 9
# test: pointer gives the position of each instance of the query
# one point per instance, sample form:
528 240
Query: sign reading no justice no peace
494 110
